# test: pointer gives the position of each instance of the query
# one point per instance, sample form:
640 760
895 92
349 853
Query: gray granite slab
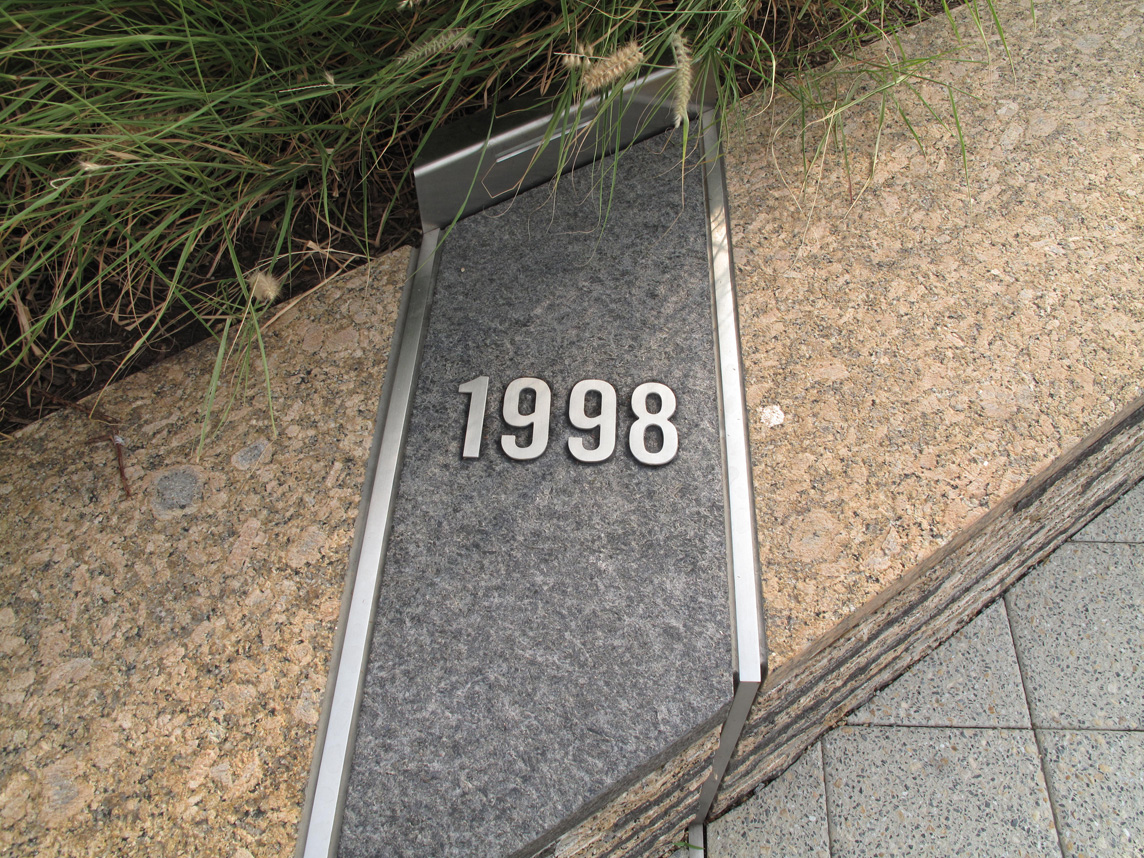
936 792
548 629
1121 522
1097 782
1078 625
784 819
972 680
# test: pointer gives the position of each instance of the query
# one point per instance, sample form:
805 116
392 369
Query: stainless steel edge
355 553
697 840
696 844
321 817
745 693
526 147
749 647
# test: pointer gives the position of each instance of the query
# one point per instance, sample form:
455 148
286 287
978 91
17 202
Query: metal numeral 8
637 435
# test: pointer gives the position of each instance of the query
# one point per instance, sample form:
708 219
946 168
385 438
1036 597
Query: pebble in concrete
1122 522
1097 781
936 792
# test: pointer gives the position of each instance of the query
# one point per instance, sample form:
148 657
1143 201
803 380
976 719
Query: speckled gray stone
972 680
547 629
177 491
1078 624
784 819
936 792
1097 782
1122 522
251 455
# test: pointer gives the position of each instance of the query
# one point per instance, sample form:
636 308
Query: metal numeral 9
605 421
538 419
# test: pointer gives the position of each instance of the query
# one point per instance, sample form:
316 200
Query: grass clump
172 167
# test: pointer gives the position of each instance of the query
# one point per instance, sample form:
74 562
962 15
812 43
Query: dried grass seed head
264 286
681 97
611 68
578 59
443 42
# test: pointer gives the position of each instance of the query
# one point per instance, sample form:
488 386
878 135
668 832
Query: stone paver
923 769
936 792
1078 624
1097 782
970 681
1122 522
787 821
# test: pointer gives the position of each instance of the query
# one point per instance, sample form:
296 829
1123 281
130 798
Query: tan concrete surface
931 346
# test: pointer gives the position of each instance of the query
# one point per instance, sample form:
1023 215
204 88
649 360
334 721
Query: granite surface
162 657
914 347
547 628
931 343
899 788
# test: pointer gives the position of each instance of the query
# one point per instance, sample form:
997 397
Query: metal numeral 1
478 390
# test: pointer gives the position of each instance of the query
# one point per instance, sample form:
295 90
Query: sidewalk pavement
1021 735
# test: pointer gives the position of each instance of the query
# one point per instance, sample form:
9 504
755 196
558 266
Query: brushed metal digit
478 390
538 419
637 435
605 421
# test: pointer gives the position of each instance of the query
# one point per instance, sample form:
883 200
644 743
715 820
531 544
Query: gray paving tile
936 792
1121 522
1078 623
1097 782
785 819
972 680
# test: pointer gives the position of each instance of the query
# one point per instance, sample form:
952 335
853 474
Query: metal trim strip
325 795
321 815
744 580
481 160
747 603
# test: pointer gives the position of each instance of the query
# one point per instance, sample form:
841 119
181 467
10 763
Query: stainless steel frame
750 647
484 160
451 185
325 792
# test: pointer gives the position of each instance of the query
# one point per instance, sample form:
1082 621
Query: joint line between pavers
1036 733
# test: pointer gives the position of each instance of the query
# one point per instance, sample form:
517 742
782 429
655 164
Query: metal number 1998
602 423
